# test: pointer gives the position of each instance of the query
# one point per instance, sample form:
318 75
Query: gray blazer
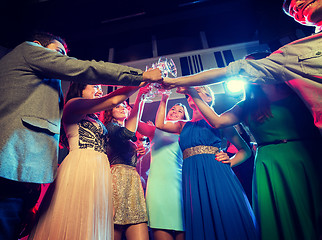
31 103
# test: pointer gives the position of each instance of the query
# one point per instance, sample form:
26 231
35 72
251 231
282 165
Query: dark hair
108 114
46 38
75 90
286 6
257 102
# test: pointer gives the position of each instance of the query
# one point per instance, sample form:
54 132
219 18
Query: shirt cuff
234 67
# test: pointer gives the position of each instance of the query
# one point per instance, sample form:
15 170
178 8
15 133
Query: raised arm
211 76
160 123
80 106
54 65
132 121
228 118
145 128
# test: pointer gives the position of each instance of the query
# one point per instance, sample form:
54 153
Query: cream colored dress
78 204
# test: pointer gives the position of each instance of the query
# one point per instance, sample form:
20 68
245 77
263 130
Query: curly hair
108 114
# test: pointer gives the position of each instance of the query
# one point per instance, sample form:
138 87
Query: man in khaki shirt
299 63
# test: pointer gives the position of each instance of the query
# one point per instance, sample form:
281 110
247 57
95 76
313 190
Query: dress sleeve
267 70
51 64
118 133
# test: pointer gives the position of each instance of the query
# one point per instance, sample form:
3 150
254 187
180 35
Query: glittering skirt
128 196
78 204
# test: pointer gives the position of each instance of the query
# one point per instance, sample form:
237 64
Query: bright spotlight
235 86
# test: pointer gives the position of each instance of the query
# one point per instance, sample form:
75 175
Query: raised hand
168 83
153 75
150 123
140 150
144 89
183 90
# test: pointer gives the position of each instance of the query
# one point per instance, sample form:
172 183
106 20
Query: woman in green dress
287 198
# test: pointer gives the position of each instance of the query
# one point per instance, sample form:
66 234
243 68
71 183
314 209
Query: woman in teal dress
164 186
215 205
287 177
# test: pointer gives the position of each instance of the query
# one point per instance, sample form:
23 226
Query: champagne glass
166 66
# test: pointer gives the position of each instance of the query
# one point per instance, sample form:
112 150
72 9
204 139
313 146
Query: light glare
235 86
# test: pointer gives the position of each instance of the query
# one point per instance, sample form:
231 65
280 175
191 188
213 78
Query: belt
278 142
199 150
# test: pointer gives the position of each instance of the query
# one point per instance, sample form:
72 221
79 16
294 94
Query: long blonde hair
209 93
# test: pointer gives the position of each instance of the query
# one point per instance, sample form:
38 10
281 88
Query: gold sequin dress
128 197
78 204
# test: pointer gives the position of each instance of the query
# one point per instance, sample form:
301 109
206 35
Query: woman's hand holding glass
166 66
140 150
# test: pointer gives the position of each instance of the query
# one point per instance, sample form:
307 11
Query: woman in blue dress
215 205
287 196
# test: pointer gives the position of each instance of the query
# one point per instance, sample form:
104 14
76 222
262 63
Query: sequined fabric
92 134
120 147
78 205
199 150
128 196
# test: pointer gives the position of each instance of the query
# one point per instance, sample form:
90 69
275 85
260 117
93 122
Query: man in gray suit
31 103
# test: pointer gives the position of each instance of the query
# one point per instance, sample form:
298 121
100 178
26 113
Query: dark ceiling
93 27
